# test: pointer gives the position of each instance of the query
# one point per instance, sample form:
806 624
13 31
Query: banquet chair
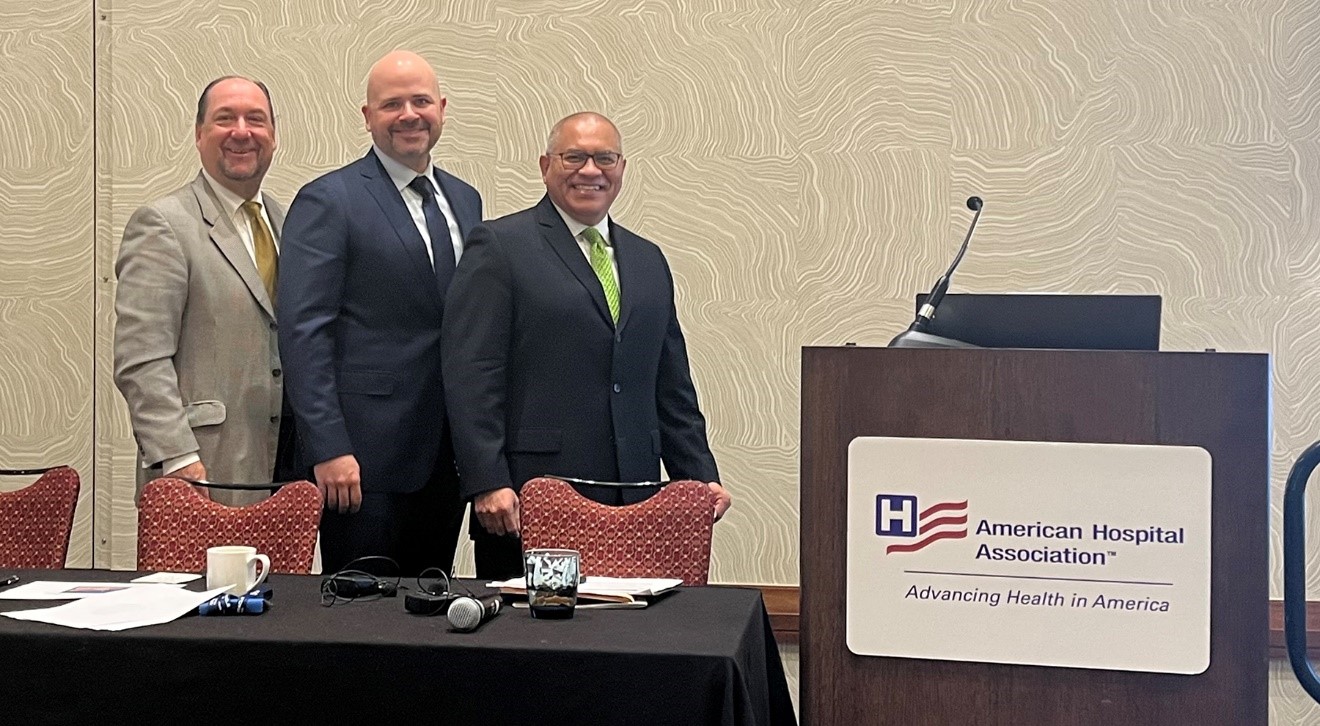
35 521
176 525
667 535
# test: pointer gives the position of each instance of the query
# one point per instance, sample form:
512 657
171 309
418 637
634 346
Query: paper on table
614 588
167 578
632 605
635 586
131 608
47 590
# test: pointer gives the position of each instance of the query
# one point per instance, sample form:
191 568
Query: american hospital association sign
967 549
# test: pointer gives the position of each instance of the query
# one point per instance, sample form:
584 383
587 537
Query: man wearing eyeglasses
562 350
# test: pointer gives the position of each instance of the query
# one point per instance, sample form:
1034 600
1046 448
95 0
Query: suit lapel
557 236
391 204
630 276
226 238
465 217
276 214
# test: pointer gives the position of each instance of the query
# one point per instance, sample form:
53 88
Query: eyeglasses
574 160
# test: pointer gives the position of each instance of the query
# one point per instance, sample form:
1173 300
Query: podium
1217 401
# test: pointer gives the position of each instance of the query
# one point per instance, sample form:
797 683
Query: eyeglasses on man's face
574 160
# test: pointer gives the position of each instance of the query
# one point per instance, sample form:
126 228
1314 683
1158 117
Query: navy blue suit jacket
359 316
538 378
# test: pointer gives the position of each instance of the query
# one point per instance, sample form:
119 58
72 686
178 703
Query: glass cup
552 583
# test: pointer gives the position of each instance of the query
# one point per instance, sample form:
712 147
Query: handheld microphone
466 614
916 336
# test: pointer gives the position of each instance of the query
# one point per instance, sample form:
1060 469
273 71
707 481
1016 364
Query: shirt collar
230 202
401 175
575 227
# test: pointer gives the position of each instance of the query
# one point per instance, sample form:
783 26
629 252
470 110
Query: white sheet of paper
635 605
48 590
121 610
635 586
167 578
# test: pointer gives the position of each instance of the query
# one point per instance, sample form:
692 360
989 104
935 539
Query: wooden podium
1218 401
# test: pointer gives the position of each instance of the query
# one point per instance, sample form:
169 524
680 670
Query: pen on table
9 581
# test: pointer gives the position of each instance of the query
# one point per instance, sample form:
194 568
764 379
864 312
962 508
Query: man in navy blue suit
369 251
563 353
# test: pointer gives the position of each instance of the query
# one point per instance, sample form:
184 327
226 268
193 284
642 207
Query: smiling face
404 111
584 194
236 137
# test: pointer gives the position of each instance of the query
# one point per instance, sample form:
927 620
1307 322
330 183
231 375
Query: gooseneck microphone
466 614
916 336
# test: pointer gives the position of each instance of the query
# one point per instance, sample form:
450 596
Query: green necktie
600 262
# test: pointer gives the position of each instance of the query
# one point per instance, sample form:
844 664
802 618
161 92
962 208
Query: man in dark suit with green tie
562 350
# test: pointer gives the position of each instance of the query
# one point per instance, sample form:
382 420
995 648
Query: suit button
276 372
617 388
618 338
273 326
274 419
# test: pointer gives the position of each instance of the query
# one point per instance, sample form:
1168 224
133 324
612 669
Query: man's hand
723 500
340 482
196 472
498 511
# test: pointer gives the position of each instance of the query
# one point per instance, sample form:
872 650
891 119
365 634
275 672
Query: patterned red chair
667 535
35 521
176 525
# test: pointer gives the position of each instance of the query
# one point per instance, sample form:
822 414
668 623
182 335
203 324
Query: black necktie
442 245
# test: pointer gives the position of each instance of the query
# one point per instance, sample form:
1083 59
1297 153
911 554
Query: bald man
369 250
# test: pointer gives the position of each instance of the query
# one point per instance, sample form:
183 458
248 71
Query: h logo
896 515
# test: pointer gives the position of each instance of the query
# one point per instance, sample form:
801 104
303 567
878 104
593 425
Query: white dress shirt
603 226
402 176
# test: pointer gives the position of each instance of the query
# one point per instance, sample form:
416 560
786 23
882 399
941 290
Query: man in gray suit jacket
196 352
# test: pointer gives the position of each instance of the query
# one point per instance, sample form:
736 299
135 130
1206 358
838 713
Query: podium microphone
916 336
466 614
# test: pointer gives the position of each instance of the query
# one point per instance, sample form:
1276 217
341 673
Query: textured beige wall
802 166
48 320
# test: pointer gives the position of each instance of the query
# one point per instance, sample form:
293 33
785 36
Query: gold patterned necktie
268 261
600 262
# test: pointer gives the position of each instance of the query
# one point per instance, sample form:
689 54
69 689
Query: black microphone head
974 203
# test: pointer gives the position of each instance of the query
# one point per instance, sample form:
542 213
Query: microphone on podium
916 336
466 614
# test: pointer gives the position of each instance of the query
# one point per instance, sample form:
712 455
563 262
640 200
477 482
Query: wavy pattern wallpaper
802 164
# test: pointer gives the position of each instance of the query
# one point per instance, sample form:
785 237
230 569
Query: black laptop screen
1097 322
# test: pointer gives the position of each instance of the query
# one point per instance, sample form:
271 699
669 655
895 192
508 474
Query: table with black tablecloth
696 656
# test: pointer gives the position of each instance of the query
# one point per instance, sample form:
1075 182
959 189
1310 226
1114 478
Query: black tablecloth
697 656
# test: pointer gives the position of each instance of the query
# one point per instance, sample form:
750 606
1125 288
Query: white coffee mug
235 567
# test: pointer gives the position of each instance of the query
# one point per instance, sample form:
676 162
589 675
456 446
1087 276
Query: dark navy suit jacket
359 314
538 378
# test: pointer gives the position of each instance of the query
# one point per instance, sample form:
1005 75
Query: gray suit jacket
196 353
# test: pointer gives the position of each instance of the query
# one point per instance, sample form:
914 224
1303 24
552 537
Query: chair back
667 535
35 521
176 525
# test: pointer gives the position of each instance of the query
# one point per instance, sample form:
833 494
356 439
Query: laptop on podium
1027 320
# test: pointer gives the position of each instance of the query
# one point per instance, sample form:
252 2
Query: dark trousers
416 529
288 455
497 558
501 558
